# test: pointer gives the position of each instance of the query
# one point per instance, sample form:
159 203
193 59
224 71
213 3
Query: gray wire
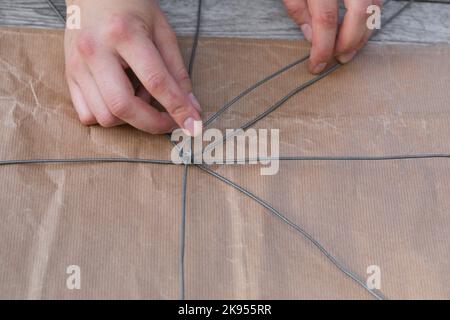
297 228
278 214
315 79
275 106
58 13
223 179
184 181
294 92
290 95
259 159
186 167
183 233
230 103
250 89
397 13
196 36
83 160
346 158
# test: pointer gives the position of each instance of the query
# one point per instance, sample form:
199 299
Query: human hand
318 20
116 35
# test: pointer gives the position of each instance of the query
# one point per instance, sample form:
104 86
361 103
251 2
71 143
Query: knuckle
178 111
85 44
182 75
156 82
119 28
158 125
118 106
327 18
175 103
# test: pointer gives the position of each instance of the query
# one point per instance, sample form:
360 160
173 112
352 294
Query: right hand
319 19
116 35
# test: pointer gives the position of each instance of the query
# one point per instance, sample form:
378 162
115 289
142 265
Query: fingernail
319 67
192 127
195 102
307 31
345 58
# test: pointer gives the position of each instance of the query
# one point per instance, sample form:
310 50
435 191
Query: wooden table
427 22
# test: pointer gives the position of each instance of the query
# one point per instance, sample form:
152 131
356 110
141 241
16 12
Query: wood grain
423 22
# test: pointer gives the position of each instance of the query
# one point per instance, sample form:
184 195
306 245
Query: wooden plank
423 22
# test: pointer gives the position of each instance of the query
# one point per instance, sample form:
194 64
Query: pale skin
117 35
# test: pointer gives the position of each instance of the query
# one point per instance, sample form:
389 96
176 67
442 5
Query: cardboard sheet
120 222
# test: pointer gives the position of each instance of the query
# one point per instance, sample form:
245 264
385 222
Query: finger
94 99
299 12
353 29
365 39
144 58
166 42
86 116
324 24
119 95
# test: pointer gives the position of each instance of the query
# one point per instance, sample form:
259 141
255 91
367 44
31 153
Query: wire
183 232
278 214
297 228
223 179
55 9
83 160
195 42
291 94
342 158
184 179
186 167
312 81
227 105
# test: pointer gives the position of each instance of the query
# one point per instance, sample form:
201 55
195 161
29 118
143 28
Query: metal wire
250 89
186 167
278 214
55 9
183 233
83 160
303 86
343 158
297 228
230 103
195 42
266 205
291 94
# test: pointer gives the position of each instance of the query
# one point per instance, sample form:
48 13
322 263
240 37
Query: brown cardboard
120 222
